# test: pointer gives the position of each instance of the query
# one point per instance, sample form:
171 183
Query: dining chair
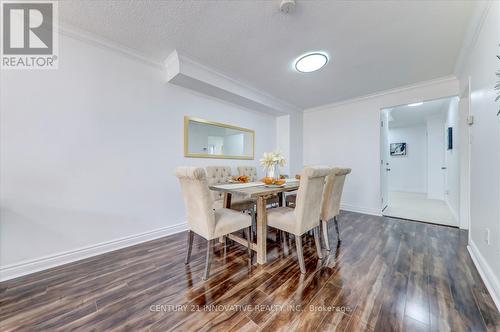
250 171
290 200
202 219
222 174
332 194
306 215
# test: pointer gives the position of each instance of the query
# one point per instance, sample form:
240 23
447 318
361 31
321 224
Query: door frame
465 163
463 217
384 182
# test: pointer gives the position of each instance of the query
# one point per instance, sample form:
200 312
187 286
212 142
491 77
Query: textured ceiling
406 116
374 45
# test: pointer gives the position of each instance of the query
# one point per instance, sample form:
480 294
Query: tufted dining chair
332 194
250 171
202 219
306 215
222 174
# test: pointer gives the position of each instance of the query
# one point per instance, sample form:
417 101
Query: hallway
416 206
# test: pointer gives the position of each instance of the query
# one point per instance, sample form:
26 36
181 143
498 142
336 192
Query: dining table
259 192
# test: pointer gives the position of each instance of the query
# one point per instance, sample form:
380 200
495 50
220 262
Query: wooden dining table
261 193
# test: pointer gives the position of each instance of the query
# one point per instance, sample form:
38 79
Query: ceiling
408 116
373 45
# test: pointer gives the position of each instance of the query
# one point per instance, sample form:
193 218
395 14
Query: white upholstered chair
249 171
202 219
331 201
306 215
222 174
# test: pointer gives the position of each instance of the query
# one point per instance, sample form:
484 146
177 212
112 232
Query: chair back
308 206
333 193
198 200
218 175
249 171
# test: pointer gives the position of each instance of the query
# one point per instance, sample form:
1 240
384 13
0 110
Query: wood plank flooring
385 275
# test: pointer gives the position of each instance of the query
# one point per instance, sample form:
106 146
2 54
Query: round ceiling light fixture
310 62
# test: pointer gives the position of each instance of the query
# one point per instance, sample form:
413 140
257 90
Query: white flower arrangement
272 158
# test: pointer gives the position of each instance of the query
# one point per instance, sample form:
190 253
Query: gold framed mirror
208 139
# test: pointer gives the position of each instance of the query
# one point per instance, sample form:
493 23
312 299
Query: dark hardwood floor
385 275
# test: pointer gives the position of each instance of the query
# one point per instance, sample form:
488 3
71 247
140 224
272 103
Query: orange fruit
268 180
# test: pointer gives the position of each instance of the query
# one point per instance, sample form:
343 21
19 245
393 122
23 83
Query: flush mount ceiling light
415 104
310 62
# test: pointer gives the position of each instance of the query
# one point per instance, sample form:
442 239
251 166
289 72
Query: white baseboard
27 267
490 280
360 209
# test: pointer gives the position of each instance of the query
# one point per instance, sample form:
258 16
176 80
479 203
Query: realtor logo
29 39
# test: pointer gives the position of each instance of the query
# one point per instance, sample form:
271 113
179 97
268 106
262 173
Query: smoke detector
287 6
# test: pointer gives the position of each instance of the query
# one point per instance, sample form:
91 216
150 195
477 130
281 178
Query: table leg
227 200
261 230
281 196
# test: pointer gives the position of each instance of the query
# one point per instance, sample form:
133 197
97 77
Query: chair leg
324 226
249 236
190 245
208 260
335 219
300 253
254 219
316 241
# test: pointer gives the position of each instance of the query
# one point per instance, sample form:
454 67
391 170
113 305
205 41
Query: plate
275 185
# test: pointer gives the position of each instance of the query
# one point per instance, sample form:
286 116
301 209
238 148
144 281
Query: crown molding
69 30
256 99
472 34
441 80
188 73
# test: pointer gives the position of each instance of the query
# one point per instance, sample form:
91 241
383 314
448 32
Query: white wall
289 142
348 134
435 157
283 140
88 151
479 63
296 144
409 173
452 159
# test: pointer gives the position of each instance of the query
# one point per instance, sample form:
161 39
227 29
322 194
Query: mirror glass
206 139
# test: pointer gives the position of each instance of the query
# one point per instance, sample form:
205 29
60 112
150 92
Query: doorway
420 161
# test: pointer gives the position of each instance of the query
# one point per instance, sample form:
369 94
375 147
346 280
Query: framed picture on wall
398 149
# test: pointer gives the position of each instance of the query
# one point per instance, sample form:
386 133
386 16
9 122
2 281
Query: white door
384 162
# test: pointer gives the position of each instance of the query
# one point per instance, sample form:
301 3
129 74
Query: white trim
95 40
191 74
27 267
464 207
360 209
490 280
419 85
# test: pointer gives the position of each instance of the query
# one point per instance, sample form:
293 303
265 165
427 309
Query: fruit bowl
280 182
270 182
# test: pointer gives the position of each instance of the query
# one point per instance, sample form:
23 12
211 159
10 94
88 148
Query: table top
255 189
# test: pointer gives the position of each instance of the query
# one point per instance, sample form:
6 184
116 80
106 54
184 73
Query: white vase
273 171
